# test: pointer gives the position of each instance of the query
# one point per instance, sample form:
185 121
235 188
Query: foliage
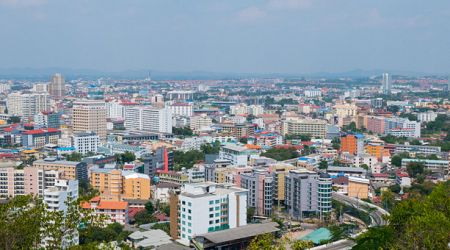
387 199
281 154
411 117
13 120
302 137
74 156
415 168
265 242
163 226
416 223
394 139
211 148
187 159
186 131
301 244
323 164
341 231
365 166
126 157
142 217
441 123
250 214
395 188
396 160
243 140
336 143
112 232
149 207
343 208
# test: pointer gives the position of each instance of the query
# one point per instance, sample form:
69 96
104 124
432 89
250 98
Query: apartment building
182 109
40 137
237 155
148 118
314 127
70 170
85 142
206 207
307 193
435 166
353 144
89 115
259 184
200 123
28 104
113 211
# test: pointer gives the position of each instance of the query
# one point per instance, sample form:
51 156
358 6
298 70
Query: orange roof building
114 211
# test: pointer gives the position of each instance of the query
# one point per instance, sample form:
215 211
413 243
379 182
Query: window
211 215
211 202
211 209
189 204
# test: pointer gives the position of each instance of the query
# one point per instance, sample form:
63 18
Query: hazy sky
259 36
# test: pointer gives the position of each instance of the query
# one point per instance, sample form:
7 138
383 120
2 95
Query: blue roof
318 235
65 148
359 136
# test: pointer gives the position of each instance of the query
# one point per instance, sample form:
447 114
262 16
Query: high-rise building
386 85
148 119
85 142
307 192
47 120
28 104
200 122
206 207
89 115
57 88
70 170
313 127
259 184
353 144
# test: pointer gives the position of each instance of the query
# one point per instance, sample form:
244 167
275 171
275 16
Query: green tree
74 156
13 120
387 199
211 148
365 166
264 242
323 164
281 154
149 207
143 217
127 157
396 160
301 244
415 168
250 214
243 140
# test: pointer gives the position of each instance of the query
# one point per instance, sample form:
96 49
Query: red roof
40 131
380 175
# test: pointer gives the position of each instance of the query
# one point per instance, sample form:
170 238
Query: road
375 212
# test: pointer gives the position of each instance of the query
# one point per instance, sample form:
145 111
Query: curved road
375 212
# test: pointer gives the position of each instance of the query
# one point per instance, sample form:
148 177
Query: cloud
288 4
251 14
22 3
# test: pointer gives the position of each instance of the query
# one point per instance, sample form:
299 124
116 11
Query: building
160 160
180 95
238 109
402 127
120 184
181 108
427 116
259 184
57 88
57 196
307 193
386 85
89 115
344 111
26 181
47 120
358 187
27 105
148 118
313 127
310 93
113 211
200 123
435 166
353 144
40 137
255 110
115 110
85 142
70 170
402 179
206 207
135 186
375 149
414 149
279 172
237 155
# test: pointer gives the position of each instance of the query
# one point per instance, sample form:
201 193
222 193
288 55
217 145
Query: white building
148 119
238 155
4 88
85 142
238 109
114 110
427 116
200 123
182 109
255 110
386 85
27 105
210 207
313 93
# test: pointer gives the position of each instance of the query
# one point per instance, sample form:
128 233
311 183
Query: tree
13 120
74 156
187 159
143 217
396 160
211 148
365 166
395 188
323 164
186 131
149 207
127 157
387 198
351 127
243 140
301 244
281 154
415 168
301 137
250 214
415 223
263 242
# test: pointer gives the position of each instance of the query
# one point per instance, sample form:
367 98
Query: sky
258 36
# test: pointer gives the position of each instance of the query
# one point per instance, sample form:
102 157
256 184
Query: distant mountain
44 74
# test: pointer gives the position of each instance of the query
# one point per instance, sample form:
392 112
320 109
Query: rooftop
237 233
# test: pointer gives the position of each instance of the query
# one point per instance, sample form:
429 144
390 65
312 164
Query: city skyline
273 36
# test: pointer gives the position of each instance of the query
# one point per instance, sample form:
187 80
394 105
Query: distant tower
57 87
386 84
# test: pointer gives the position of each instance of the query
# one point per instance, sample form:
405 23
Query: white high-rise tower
386 84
